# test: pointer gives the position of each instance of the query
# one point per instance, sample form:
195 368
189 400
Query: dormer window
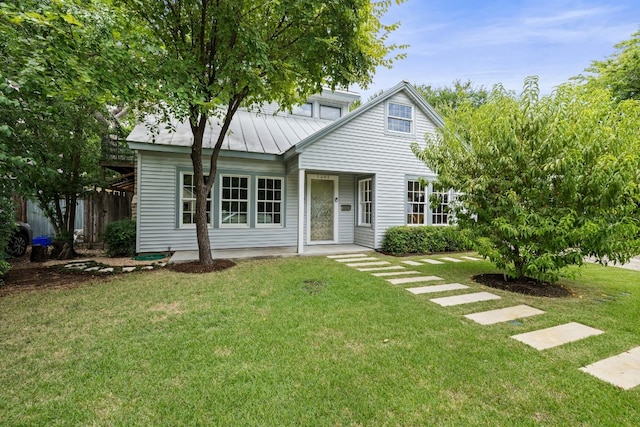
399 118
303 110
329 112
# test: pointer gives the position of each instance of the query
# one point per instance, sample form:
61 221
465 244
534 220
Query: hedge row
409 240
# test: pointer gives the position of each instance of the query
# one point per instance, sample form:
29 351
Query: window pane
328 112
303 110
398 110
398 125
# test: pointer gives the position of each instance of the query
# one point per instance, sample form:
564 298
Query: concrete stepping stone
557 335
368 264
393 267
148 267
414 263
437 288
357 259
128 269
90 269
403 280
465 299
503 315
447 258
106 270
471 258
395 273
622 370
432 261
346 256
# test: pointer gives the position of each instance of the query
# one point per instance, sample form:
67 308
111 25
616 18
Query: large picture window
365 202
188 200
269 201
234 200
399 118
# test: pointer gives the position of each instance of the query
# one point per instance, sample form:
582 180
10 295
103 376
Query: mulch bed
24 276
526 286
196 267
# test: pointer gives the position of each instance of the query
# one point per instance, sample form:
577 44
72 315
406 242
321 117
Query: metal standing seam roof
250 132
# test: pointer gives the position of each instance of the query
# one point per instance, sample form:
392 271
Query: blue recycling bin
41 241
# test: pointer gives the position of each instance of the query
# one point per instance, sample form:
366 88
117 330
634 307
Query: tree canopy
206 58
56 56
444 98
544 180
619 73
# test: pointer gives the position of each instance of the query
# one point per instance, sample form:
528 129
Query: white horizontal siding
362 146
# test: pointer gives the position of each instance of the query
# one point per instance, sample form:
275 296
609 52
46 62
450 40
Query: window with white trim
188 200
269 201
365 202
399 118
440 200
329 112
234 200
416 202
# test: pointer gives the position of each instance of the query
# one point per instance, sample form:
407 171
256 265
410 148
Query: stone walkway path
622 370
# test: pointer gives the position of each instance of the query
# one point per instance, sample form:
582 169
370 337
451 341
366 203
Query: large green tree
544 180
620 73
59 58
207 58
443 98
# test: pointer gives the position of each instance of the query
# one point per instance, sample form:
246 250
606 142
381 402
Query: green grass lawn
308 341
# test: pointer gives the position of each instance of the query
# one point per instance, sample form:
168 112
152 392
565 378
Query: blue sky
503 41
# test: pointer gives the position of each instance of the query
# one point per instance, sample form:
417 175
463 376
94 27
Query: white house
318 176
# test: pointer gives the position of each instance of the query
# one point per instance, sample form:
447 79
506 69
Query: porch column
301 177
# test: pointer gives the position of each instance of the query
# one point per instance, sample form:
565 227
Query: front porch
273 252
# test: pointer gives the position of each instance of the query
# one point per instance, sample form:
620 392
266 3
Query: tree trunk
202 225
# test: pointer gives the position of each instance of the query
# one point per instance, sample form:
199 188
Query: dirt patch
526 286
27 276
196 267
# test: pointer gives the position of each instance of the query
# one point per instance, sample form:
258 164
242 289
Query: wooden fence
101 208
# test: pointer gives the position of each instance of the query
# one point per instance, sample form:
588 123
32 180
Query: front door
322 212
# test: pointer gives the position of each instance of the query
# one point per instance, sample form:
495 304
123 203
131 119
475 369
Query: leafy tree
619 73
445 98
207 58
55 55
544 181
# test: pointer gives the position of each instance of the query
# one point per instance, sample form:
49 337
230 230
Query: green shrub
120 237
407 240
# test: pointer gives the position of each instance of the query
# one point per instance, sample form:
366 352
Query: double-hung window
269 201
234 200
365 202
399 118
440 199
188 200
416 202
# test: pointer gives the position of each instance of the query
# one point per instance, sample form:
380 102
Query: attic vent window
329 112
303 110
399 118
